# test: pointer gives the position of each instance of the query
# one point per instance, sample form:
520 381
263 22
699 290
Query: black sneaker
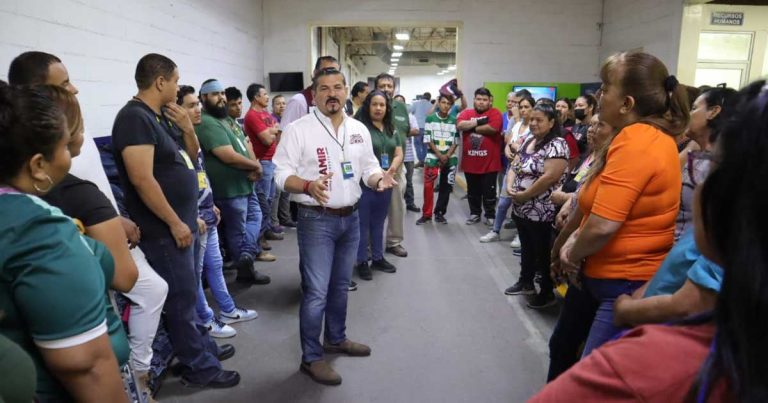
542 300
441 219
222 380
413 208
473 219
352 286
423 220
383 265
517 251
364 271
520 288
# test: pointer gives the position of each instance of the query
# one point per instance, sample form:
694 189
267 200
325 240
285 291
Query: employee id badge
384 161
346 170
201 182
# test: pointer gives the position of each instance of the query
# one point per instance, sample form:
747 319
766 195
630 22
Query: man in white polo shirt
320 160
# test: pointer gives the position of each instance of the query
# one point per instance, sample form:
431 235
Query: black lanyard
330 134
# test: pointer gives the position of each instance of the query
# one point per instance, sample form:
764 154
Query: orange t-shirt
640 187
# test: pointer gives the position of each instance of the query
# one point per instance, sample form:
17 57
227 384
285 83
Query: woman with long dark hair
536 172
630 204
375 113
710 358
564 108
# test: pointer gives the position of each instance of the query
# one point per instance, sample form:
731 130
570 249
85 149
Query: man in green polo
386 83
232 170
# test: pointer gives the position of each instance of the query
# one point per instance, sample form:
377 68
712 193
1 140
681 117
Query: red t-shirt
481 154
255 123
655 363
573 145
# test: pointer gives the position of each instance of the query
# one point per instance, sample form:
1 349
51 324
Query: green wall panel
500 91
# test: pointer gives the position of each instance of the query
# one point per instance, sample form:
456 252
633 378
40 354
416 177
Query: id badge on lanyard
384 161
346 170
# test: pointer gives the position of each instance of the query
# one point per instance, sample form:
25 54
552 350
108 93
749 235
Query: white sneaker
238 315
492 236
220 330
515 242
488 221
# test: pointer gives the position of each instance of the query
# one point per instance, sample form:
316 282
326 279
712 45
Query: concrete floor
440 329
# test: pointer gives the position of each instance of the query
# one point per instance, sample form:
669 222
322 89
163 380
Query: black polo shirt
138 124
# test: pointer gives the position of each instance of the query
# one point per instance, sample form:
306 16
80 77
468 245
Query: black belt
340 212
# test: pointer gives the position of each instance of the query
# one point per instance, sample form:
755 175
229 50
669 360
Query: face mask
580 113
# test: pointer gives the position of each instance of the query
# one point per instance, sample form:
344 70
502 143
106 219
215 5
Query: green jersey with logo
443 134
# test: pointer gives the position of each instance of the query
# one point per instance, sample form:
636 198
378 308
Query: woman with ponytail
716 357
630 206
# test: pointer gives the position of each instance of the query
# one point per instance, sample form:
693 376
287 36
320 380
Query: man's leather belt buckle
340 212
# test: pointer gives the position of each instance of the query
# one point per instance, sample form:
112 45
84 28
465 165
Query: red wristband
306 187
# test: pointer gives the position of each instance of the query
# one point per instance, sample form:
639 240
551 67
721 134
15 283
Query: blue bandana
213 86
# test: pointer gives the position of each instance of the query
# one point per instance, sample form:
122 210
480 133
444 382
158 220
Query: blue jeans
265 189
373 212
327 246
421 148
192 344
242 218
501 212
211 263
605 292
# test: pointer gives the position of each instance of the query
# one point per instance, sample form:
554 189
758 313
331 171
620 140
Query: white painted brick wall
501 40
653 25
100 42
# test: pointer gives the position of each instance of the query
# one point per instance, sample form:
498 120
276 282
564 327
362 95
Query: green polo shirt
226 181
384 143
400 120
53 283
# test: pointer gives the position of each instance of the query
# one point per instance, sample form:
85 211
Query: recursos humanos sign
727 18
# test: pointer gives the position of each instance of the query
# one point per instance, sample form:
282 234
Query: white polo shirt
309 149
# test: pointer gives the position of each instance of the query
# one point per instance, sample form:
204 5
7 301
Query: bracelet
306 188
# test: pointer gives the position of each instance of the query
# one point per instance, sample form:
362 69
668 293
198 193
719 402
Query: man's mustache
332 99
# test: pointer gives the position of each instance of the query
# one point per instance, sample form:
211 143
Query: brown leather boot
347 347
321 372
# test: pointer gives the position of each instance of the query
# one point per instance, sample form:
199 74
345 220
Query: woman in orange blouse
629 206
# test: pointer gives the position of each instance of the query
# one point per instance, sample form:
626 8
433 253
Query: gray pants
409 183
281 209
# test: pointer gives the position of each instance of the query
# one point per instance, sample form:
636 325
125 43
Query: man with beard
232 171
323 159
386 83
481 154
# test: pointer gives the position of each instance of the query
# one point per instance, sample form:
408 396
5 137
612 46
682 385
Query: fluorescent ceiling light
403 36
451 68
394 65
397 54
398 47
395 59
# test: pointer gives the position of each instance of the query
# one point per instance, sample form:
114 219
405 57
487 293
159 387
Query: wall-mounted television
286 82
538 92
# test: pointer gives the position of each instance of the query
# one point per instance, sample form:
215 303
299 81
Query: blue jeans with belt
605 291
373 212
265 189
192 344
327 247
242 219
211 264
